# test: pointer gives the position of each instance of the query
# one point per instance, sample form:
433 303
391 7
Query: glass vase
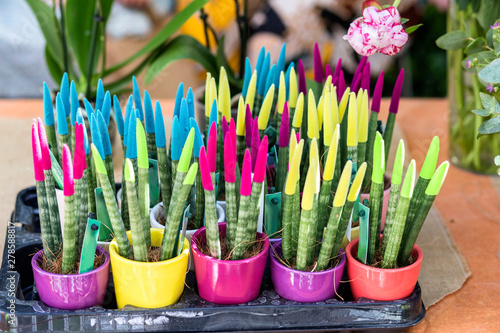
466 150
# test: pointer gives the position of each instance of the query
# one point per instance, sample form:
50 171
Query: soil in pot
225 253
379 258
310 268
55 266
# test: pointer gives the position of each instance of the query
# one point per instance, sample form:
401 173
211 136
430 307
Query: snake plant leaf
293 90
99 99
75 103
190 102
302 78
280 66
132 137
318 66
62 125
206 178
160 137
377 93
287 79
48 108
247 77
103 129
198 140
119 115
148 113
270 78
262 75
175 140
37 153
137 99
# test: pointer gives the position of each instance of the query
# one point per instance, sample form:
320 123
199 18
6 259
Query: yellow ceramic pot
148 284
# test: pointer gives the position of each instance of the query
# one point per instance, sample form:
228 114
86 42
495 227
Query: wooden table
468 203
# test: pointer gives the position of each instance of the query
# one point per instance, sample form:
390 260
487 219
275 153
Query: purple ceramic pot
228 281
302 286
71 292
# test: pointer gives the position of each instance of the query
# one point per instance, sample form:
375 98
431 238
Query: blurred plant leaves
453 40
491 73
181 47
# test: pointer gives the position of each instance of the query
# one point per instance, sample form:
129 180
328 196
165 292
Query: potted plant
472 52
69 273
157 262
387 267
230 258
307 264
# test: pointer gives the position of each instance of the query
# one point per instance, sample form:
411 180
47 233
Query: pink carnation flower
377 31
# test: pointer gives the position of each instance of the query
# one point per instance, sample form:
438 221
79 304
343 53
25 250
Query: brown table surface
468 204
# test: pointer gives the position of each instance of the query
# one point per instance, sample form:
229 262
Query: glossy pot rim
325 272
113 251
353 261
40 271
201 232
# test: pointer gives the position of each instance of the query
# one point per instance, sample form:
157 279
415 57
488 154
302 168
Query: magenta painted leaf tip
78 165
37 153
318 66
212 147
246 175
44 145
260 164
206 178
69 182
284 139
396 93
229 161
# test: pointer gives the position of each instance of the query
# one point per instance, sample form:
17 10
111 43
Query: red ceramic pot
228 281
379 283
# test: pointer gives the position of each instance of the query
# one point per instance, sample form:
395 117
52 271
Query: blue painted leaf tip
96 135
160 138
88 106
75 103
280 66
48 108
106 107
175 141
148 113
103 130
247 77
260 59
261 86
198 140
99 95
119 115
178 97
132 137
64 91
62 126
270 79
190 102
213 114
137 98
184 120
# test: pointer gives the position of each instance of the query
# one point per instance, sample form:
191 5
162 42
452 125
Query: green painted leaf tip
399 163
129 171
430 159
186 153
378 160
99 164
437 179
191 175
409 182
142 147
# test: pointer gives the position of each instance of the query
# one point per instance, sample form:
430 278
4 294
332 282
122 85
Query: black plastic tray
269 312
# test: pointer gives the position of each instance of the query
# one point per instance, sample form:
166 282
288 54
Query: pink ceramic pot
228 281
379 283
71 292
302 286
